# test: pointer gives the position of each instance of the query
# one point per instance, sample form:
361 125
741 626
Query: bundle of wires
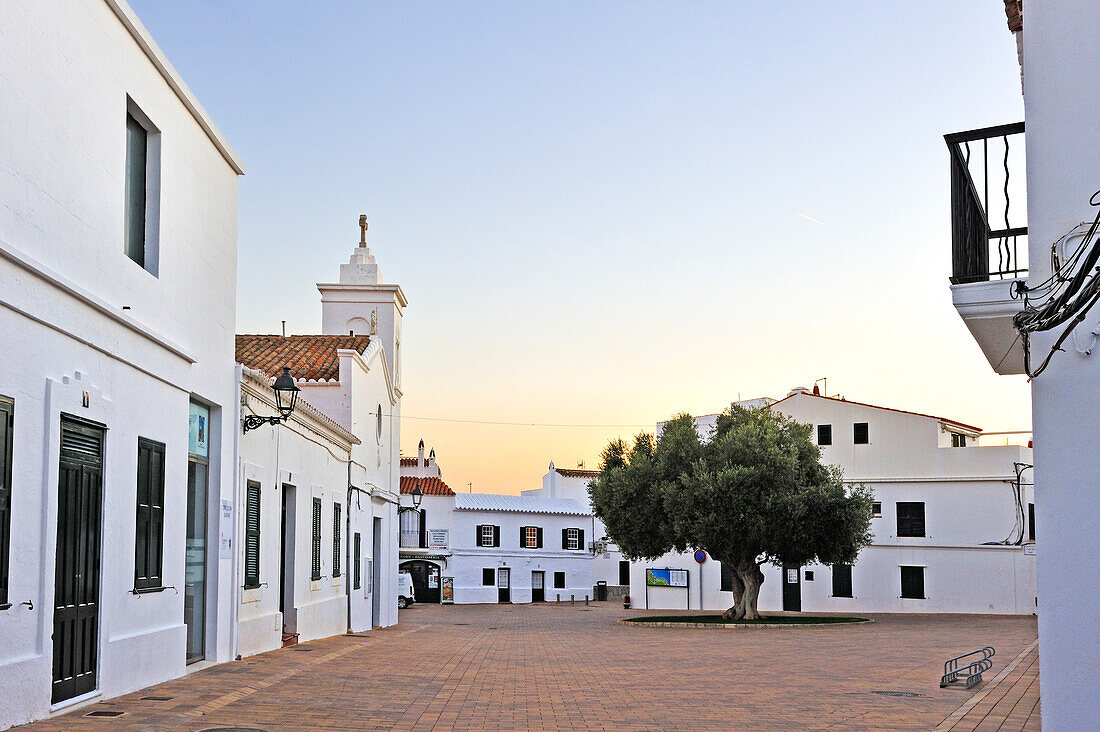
1067 295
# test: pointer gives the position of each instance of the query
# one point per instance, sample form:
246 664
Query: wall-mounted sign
225 540
437 538
1029 550
700 556
447 594
666 577
198 436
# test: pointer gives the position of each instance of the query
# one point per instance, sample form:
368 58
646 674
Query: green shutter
7 422
137 147
356 562
252 535
315 570
149 536
336 540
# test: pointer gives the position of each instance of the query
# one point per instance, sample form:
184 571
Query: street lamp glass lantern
418 496
286 393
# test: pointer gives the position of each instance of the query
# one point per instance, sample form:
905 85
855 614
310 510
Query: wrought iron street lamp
417 496
286 397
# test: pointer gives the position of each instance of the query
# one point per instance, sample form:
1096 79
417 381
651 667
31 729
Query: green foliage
756 489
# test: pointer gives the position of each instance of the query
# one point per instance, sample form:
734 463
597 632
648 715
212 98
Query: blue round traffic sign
700 556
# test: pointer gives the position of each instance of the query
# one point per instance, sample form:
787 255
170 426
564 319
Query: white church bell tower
362 304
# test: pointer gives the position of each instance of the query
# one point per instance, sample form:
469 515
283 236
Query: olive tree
755 492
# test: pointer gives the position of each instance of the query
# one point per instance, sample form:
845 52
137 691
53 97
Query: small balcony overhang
987 309
987 259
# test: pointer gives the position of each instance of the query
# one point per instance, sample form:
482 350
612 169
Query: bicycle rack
966 670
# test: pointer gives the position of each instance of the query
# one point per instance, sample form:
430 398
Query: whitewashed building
608 566
953 527
118 416
425 528
328 519
1036 236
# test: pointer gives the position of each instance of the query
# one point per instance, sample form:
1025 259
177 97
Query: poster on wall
437 538
666 577
198 438
447 595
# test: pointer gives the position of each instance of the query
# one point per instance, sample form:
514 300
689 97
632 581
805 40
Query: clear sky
606 213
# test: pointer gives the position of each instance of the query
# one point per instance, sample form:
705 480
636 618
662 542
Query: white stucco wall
1061 94
468 559
79 316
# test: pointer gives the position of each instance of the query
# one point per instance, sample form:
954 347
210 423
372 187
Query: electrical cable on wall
1069 293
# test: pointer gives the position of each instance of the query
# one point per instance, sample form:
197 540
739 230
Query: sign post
700 557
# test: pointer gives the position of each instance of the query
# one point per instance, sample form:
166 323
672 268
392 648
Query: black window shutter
727 579
912 582
357 546
824 434
7 422
565 538
149 534
315 573
860 435
496 536
538 537
522 537
487 575
252 535
423 528
336 540
842 580
480 541
580 542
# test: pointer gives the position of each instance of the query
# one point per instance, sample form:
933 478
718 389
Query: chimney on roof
420 454
431 458
817 391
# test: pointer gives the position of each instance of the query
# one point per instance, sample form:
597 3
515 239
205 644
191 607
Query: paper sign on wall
225 540
437 538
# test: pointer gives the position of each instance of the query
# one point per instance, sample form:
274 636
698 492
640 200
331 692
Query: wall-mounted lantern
417 496
286 397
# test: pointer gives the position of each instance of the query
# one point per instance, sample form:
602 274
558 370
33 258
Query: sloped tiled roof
518 504
429 486
408 462
964 425
309 357
576 473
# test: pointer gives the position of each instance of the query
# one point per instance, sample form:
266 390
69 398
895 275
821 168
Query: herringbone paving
557 667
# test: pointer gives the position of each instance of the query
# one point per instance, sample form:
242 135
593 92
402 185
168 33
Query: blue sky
604 213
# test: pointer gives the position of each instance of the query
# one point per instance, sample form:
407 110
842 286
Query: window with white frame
486 535
531 537
572 538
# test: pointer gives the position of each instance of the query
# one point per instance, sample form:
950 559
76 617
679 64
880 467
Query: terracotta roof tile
577 473
408 462
309 357
430 486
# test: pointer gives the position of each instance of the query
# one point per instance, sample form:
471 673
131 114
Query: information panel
666 577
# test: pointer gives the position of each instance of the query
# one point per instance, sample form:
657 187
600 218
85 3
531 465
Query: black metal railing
982 163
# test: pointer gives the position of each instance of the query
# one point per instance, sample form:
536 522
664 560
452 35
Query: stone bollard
571 599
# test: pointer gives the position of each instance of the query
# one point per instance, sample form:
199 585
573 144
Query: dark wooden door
538 585
792 589
504 592
76 573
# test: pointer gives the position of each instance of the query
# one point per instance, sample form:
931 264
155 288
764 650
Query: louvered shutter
565 538
357 547
423 528
522 537
538 537
252 535
315 569
496 536
580 541
149 533
7 419
336 540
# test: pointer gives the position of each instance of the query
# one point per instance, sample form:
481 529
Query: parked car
405 594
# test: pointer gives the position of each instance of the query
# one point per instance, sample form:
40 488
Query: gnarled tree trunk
738 591
747 579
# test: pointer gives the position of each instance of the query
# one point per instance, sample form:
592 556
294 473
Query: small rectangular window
912 583
911 518
559 580
842 580
315 568
572 539
876 509
860 434
357 547
252 534
336 540
958 440
488 576
1030 521
149 537
530 536
727 579
142 190
624 572
824 434
7 424
485 535
809 575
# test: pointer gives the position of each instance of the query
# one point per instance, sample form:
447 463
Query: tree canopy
755 492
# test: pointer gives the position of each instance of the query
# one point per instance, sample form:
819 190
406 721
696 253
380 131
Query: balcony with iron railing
989 237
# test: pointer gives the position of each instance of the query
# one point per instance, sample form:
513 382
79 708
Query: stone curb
741 626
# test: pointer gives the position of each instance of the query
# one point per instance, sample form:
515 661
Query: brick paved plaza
561 667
